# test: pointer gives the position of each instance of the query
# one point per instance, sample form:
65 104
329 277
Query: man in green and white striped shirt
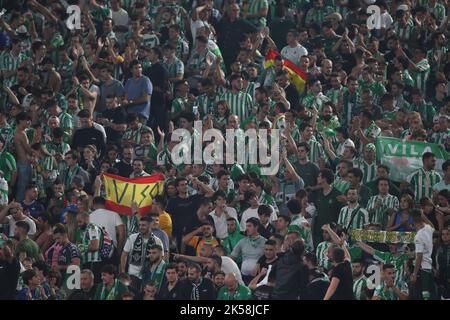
240 103
322 252
257 12
419 68
318 13
367 164
353 215
359 280
316 149
10 61
87 238
423 180
380 205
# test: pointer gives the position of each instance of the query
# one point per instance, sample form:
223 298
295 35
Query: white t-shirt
134 270
220 223
120 18
253 213
386 20
294 53
108 220
424 244
12 225
229 266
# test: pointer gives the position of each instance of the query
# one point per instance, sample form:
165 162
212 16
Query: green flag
404 157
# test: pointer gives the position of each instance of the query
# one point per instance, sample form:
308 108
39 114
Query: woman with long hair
90 161
402 220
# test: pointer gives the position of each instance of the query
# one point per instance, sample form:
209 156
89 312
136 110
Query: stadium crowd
106 96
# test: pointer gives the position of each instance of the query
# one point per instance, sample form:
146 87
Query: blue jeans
23 180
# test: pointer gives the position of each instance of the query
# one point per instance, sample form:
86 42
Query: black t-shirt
85 136
267 232
343 272
262 261
9 274
159 77
183 211
166 294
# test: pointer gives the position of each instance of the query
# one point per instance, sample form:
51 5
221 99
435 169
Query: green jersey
377 89
422 182
359 288
240 103
254 8
322 255
317 15
10 62
388 293
7 165
242 293
207 105
174 68
318 101
426 110
83 238
380 215
135 134
316 151
179 104
333 94
360 217
399 262
420 77
232 240
341 185
369 170
351 107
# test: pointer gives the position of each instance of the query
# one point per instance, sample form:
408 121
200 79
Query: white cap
22 29
403 7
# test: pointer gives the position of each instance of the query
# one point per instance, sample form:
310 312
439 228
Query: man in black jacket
159 76
291 274
195 287
124 166
88 134
230 30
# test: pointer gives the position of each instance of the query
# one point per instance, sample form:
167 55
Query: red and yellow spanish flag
297 76
121 192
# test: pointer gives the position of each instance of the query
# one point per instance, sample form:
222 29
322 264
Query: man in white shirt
221 213
422 277
136 251
252 212
110 221
16 214
294 50
120 18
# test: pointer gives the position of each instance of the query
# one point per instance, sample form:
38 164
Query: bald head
231 282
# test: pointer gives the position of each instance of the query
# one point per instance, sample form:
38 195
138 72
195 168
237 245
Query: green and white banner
404 157
382 236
